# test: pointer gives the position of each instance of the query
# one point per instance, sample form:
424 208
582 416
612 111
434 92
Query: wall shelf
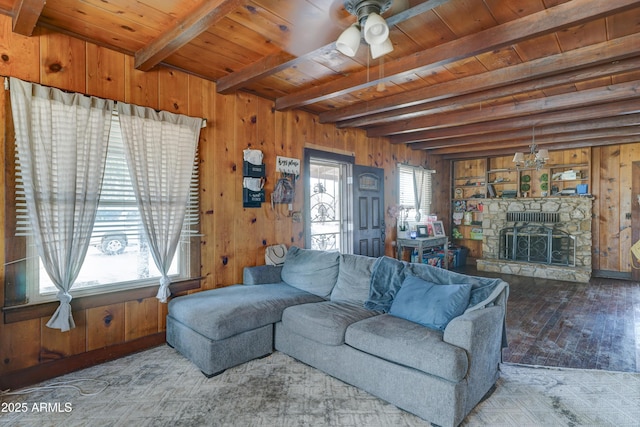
476 180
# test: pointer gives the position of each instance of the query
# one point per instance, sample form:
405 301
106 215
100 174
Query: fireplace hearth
546 237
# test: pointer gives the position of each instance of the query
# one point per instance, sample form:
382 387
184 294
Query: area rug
159 387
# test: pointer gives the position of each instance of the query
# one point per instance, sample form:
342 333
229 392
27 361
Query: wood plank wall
233 237
612 184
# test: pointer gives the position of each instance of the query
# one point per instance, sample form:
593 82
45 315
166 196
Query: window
118 256
407 190
327 201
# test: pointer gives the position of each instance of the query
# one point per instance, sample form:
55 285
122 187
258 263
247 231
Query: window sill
28 312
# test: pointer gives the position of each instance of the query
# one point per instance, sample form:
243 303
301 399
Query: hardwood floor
593 325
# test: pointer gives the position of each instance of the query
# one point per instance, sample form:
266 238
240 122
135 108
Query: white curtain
61 141
420 179
160 148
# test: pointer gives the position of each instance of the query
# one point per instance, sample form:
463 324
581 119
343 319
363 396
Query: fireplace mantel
575 215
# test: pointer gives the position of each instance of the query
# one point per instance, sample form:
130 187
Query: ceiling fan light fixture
378 50
349 41
376 30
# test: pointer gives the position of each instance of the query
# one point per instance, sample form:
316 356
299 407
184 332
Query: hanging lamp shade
518 158
543 154
376 30
349 41
377 50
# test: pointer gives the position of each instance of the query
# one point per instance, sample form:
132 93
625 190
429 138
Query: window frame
17 305
424 210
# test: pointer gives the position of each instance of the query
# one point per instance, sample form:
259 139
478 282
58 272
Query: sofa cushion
430 304
408 344
484 290
224 312
354 279
324 322
311 270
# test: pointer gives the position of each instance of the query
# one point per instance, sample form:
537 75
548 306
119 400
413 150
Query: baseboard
44 371
608 274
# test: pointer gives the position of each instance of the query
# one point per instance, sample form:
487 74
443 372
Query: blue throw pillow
430 304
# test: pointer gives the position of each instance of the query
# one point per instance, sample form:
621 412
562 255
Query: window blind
406 194
117 209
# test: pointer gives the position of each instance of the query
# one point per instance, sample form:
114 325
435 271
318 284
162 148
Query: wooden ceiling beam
600 95
25 16
476 152
591 112
185 30
550 20
524 141
572 61
540 132
259 70
486 96
269 66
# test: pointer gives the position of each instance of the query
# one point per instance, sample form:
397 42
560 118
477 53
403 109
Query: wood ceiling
466 77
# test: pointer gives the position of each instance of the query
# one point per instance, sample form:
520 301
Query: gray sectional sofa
422 338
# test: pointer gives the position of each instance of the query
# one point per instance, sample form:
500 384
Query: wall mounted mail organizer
253 171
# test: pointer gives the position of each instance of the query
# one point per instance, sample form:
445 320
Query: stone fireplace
546 237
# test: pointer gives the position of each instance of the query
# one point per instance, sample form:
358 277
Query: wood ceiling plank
582 35
591 112
96 25
600 53
563 138
25 16
508 10
541 131
540 47
196 22
623 24
479 17
622 91
598 74
551 20
259 71
483 151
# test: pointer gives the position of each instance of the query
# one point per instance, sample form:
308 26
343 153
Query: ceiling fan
370 25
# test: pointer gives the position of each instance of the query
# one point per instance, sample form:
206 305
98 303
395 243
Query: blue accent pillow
429 304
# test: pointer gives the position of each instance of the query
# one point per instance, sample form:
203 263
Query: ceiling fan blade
397 6
316 24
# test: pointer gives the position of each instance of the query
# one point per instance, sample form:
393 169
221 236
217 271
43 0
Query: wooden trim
635 217
329 149
22 313
48 370
609 274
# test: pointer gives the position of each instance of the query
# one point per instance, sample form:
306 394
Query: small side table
422 243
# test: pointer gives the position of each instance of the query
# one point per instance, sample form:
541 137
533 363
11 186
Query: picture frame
438 228
423 231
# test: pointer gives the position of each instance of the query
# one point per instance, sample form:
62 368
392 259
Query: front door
368 203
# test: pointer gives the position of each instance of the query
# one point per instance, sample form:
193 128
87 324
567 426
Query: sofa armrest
472 330
479 332
261 275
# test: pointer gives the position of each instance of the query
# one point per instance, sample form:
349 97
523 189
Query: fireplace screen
537 243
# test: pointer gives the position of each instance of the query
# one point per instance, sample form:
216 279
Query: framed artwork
438 228
423 231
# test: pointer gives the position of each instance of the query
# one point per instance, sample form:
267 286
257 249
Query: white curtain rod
7 86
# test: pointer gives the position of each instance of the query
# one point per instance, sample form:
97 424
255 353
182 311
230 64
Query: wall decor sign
288 165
